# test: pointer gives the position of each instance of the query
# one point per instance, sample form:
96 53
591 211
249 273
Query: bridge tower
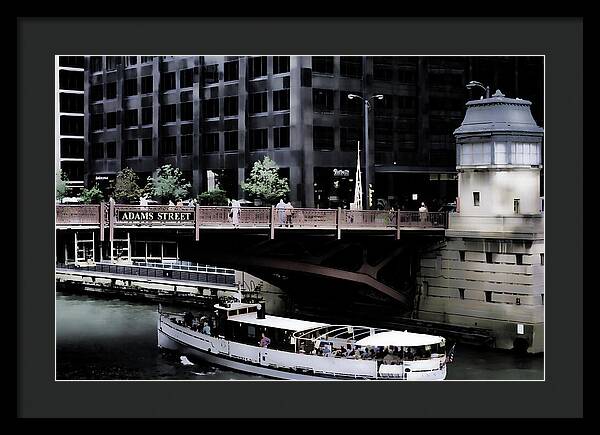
490 273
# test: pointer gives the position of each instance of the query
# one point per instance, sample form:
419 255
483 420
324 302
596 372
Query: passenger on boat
188 319
206 329
264 341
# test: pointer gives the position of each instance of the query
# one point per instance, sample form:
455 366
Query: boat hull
167 342
274 364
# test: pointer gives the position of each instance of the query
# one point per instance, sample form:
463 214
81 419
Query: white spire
357 204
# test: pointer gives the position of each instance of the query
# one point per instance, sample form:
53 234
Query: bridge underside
319 268
363 268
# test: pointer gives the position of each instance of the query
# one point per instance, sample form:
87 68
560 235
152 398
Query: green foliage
62 189
91 196
214 197
168 184
265 183
126 186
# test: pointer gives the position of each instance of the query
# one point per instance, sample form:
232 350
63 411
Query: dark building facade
70 139
214 116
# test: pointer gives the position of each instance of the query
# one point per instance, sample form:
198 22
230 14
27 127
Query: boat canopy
276 322
399 338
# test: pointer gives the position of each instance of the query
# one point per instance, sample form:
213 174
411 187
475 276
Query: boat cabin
245 323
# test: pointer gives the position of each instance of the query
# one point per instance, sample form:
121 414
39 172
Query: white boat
301 349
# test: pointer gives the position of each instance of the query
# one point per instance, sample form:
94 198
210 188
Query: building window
72 125
97 151
111 150
517 206
168 113
232 70
351 66
211 108
111 90
147 147
230 106
187 144
187 111
257 103
383 69
131 148
131 118
72 148
147 115
542 259
461 293
96 93
71 103
407 102
211 74
258 139
146 59
406 76
323 138
147 84
96 63
186 78
97 122
461 255
488 296
281 137
488 257
130 87
323 100
349 138
281 64
231 140
322 64
384 107
168 146
168 81
350 106
112 62
476 199
281 100
130 61
519 259
111 120
257 67
210 143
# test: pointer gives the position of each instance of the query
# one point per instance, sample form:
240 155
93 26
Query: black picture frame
560 40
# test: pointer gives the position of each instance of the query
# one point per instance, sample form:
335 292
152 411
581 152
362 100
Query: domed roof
498 114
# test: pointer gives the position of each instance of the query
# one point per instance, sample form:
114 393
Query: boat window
251 331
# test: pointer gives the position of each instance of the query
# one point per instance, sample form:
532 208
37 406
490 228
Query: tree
91 196
265 183
168 184
126 186
213 197
62 188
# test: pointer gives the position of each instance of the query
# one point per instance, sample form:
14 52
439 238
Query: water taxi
242 337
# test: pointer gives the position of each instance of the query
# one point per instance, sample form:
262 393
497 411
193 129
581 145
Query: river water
115 339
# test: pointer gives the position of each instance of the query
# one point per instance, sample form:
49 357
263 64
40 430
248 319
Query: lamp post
367 103
474 84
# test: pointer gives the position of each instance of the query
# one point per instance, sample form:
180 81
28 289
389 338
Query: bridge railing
78 214
206 275
208 216
308 217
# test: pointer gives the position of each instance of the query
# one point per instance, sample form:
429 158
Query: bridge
370 254
198 218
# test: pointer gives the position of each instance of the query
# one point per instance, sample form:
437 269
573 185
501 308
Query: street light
474 84
367 103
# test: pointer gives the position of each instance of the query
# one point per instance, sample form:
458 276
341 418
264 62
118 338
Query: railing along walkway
113 216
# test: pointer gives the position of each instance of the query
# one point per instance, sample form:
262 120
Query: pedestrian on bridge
281 212
235 213
289 211
423 213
